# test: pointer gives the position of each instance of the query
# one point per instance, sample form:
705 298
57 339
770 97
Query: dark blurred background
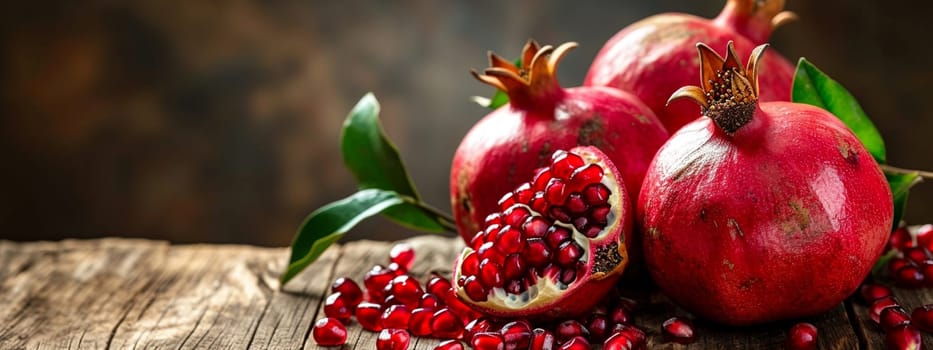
204 121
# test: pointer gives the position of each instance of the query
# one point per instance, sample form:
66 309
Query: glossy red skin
781 220
504 148
654 57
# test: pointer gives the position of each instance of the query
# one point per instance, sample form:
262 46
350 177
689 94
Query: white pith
547 289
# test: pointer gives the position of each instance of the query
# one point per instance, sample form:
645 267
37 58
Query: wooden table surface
121 293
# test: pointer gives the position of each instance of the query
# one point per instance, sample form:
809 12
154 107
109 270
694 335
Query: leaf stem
924 174
446 220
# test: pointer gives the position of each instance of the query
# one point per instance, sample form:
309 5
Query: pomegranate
653 57
558 245
505 147
768 210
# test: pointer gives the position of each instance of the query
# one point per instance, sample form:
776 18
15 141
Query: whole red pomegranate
504 149
653 57
760 211
557 245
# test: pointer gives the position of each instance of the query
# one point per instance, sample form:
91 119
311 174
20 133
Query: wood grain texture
129 294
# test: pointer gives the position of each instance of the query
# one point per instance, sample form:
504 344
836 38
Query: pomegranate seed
449 345
395 316
487 341
514 267
565 164
620 315
439 285
420 322
596 194
446 325
568 275
539 203
589 174
404 288
922 318
376 280
490 274
396 269
368 314
568 253
901 239
492 219
678 330
430 301
569 329
917 255
600 214
391 300
575 204
632 333
516 335
470 264
329 332
802 336
903 337
506 201
892 317
475 289
556 235
554 193
599 328
898 263
542 340
351 291
618 341
393 339
576 343
488 251
874 311
523 193
559 214
402 254
537 252
478 239
535 227
871 292
542 176
509 240
336 306
475 326
909 277
516 215
925 236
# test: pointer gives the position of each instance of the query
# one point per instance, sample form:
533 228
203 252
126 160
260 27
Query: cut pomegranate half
556 247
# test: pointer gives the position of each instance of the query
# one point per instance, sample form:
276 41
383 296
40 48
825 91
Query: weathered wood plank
117 293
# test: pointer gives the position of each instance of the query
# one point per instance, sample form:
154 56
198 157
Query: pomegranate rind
550 299
781 220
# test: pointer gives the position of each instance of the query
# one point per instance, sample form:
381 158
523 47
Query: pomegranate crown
532 83
755 19
729 92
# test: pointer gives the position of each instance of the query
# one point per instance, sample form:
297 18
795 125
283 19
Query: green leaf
812 86
900 187
329 223
375 162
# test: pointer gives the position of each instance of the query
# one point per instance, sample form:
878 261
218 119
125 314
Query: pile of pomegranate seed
902 331
912 266
394 303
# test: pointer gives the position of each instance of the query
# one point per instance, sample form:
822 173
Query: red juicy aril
654 57
760 211
504 148
556 245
